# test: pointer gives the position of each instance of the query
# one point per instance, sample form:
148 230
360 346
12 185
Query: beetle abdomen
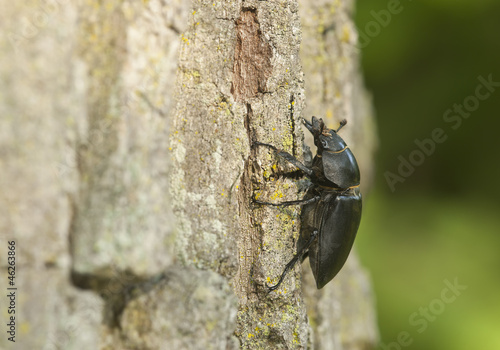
339 220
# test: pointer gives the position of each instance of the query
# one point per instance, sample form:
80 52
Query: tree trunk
102 99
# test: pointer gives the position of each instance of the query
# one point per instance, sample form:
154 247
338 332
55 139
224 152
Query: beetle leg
296 174
288 203
286 156
294 260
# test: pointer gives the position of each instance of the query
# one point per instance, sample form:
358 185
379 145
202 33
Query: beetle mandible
331 207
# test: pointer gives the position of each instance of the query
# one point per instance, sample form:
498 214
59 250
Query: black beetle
331 207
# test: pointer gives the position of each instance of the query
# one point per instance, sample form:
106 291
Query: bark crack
292 126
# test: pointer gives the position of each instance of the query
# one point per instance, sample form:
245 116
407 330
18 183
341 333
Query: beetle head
325 139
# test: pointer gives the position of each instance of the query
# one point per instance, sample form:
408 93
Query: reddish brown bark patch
252 58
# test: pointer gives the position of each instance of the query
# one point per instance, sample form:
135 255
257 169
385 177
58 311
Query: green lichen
192 75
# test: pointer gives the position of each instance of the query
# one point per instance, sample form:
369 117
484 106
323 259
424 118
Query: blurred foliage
442 222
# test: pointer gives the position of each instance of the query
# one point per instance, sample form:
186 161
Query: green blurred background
443 222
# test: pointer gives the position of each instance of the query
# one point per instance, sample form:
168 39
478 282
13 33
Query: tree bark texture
116 112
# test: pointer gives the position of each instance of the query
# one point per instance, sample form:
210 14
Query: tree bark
115 112
250 86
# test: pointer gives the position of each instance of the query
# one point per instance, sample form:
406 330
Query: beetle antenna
343 122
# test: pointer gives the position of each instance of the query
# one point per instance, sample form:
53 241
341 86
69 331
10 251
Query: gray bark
115 112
